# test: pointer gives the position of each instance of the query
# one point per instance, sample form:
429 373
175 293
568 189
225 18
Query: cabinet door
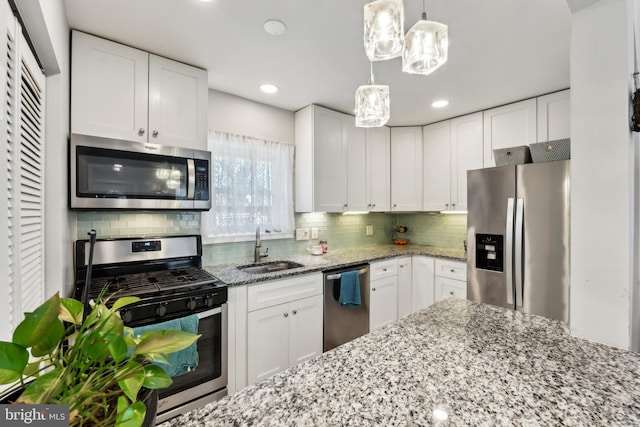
406 169
422 283
357 196
305 329
383 308
450 288
109 89
553 116
329 161
178 102
437 166
267 342
466 154
404 287
509 126
379 168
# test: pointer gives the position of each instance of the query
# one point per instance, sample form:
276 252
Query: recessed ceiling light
267 88
274 27
440 103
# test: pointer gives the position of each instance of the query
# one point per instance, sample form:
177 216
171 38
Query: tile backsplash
340 231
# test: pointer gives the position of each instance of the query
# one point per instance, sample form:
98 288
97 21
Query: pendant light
425 46
372 104
383 29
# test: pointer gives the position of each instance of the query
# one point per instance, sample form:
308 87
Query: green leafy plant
94 365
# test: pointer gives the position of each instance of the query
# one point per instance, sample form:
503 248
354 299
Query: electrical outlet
369 230
314 232
302 234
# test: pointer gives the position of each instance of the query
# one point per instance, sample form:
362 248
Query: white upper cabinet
340 167
321 160
378 169
125 93
406 169
437 166
466 154
553 116
509 126
451 148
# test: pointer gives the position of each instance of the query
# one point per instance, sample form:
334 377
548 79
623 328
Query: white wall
47 26
241 116
602 173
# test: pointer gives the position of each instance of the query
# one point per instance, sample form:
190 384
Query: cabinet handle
373 206
453 205
384 269
394 205
451 293
295 311
154 133
452 270
373 289
141 131
446 205
286 315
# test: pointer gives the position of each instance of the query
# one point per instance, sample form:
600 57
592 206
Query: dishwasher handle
336 276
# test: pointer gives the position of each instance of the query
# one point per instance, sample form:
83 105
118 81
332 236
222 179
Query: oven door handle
209 313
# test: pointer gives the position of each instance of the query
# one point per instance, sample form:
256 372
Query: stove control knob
161 310
191 304
208 301
126 316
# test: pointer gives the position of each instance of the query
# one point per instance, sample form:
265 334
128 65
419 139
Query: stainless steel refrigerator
518 237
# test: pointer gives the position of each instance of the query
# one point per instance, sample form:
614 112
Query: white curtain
252 185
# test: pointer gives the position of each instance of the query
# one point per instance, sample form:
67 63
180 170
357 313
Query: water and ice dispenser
489 252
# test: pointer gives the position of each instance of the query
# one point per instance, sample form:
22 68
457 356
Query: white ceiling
500 51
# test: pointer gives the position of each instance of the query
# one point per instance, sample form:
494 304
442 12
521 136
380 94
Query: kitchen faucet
256 251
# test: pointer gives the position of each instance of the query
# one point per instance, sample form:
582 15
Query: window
252 185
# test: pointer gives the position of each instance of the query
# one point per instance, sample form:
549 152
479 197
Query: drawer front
452 269
268 294
382 269
447 288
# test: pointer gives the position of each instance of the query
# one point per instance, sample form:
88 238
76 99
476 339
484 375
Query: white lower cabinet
284 324
450 279
422 283
383 295
404 287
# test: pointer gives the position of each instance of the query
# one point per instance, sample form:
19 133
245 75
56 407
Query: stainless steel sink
269 267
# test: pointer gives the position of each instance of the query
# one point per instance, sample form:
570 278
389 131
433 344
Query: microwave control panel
202 180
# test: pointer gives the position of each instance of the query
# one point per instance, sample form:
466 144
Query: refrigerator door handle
508 250
518 249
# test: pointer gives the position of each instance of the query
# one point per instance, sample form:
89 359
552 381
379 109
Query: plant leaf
13 360
71 310
32 369
118 348
37 390
156 377
132 384
50 341
166 341
133 416
124 301
36 325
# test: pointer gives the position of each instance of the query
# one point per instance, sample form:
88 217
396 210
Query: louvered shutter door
22 210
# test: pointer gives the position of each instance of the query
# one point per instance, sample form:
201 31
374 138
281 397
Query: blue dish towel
349 288
185 360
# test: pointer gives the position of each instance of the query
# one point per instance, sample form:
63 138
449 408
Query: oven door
208 382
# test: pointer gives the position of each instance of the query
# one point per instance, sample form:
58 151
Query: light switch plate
302 234
369 230
314 232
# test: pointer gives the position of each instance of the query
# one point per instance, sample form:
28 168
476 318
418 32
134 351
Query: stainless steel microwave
116 174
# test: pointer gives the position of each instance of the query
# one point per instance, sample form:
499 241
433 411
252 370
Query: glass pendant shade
425 47
383 29
372 105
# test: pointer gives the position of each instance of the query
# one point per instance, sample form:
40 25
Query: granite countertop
229 273
476 363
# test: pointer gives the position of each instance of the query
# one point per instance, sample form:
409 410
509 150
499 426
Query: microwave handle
191 177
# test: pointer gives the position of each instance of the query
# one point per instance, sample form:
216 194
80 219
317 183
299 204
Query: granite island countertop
333 259
476 363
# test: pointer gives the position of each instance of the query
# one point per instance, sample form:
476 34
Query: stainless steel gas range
166 274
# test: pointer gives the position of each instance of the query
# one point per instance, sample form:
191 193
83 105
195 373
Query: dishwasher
344 323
